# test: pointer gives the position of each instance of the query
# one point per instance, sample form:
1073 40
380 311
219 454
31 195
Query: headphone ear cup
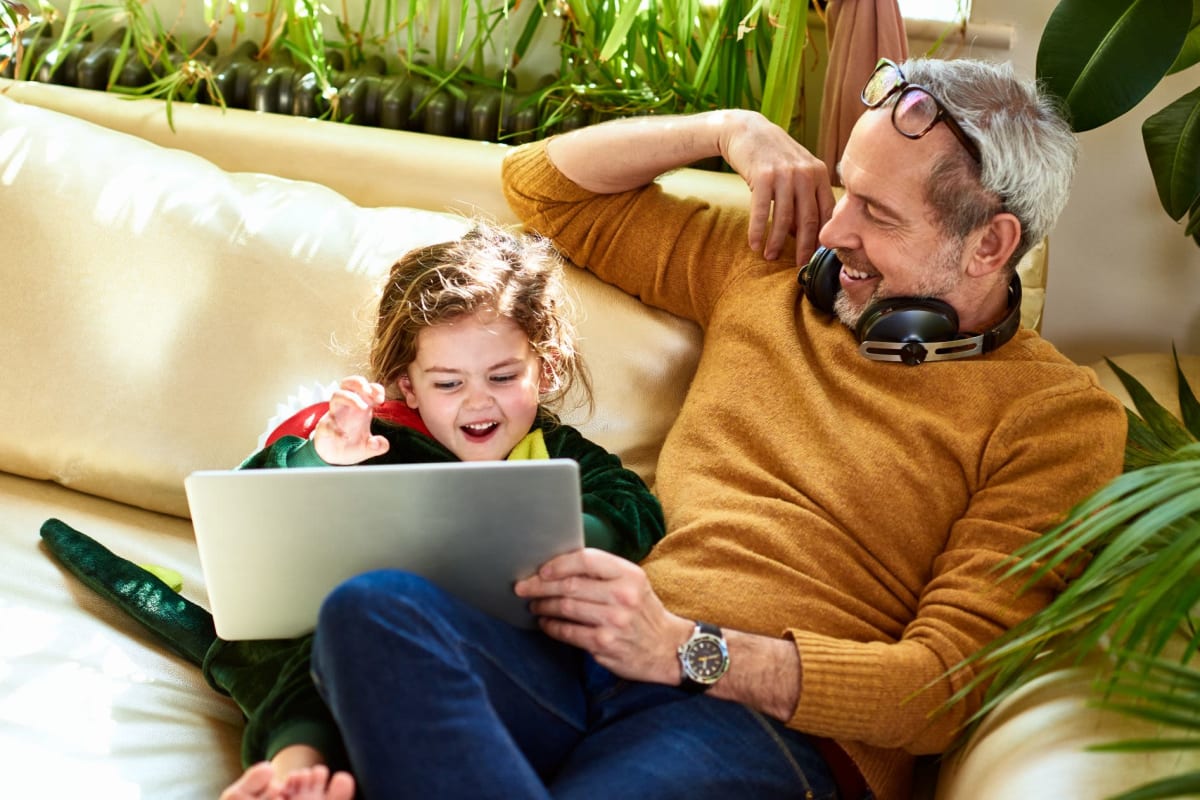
821 279
908 319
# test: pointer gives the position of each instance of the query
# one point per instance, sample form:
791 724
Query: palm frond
1185 785
1156 431
1188 405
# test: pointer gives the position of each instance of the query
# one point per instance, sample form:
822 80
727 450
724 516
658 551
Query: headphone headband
911 330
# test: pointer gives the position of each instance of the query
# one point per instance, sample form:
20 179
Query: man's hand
790 191
343 436
604 604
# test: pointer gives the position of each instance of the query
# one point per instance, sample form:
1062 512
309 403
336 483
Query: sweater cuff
306 456
836 676
598 533
307 732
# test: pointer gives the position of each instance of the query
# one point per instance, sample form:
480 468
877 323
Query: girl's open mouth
480 430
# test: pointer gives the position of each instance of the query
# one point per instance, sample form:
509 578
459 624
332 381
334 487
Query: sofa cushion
157 308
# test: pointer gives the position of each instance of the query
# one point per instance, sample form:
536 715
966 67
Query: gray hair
1028 149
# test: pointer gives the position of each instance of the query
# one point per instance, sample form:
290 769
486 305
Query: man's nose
839 230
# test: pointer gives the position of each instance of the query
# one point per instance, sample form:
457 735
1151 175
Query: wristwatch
704 658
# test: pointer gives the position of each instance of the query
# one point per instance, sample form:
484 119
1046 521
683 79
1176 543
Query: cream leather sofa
161 308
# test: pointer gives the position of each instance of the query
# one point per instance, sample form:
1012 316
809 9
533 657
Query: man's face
882 229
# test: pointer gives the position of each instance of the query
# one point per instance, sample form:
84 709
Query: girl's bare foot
315 783
255 784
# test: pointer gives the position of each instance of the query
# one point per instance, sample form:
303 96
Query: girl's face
476 382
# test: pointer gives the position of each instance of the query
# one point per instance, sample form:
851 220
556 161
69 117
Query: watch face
706 659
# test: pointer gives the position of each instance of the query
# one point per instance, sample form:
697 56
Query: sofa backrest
157 309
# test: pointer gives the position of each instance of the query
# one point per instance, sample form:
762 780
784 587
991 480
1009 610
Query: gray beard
850 312
940 280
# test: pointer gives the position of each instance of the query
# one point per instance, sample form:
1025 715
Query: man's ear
405 385
994 244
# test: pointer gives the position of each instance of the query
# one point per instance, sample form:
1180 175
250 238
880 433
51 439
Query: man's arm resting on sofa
789 187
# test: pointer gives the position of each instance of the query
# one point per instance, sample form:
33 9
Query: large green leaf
1172 139
1190 54
1103 56
787 54
616 37
1186 785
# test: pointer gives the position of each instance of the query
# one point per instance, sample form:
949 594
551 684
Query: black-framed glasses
916 110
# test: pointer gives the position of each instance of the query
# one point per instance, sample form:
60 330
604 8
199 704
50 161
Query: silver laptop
274 542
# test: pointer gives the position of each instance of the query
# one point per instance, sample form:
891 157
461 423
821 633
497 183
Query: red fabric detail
849 781
304 421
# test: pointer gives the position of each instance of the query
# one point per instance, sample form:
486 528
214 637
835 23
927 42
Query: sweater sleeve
672 253
620 514
287 451
896 695
406 445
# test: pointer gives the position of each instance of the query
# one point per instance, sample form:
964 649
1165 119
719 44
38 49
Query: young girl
471 355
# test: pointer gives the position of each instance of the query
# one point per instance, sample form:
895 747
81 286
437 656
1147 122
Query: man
834 520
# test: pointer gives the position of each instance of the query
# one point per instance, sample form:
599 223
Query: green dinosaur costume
270 679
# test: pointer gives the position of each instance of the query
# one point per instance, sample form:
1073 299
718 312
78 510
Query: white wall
1123 277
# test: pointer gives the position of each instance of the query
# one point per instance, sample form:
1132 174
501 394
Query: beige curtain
860 32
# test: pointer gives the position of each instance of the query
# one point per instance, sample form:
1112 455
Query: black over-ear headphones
908 329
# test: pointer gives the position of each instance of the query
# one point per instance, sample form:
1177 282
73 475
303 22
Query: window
948 10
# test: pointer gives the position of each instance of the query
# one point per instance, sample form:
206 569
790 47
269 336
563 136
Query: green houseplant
440 67
1102 57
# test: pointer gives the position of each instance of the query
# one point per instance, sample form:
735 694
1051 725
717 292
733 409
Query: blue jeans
436 699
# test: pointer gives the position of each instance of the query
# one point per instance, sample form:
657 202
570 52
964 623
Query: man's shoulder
1040 371
1029 347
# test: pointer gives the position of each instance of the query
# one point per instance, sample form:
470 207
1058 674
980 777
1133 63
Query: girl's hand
343 436
602 603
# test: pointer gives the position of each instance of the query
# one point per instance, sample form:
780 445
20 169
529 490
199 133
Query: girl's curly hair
519 276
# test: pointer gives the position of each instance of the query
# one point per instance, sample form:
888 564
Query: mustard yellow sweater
855 506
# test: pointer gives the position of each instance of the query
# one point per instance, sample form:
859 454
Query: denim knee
359 601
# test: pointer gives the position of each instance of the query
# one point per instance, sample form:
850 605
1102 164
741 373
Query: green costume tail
184 626
268 679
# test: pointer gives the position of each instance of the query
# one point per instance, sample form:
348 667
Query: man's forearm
764 674
627 153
